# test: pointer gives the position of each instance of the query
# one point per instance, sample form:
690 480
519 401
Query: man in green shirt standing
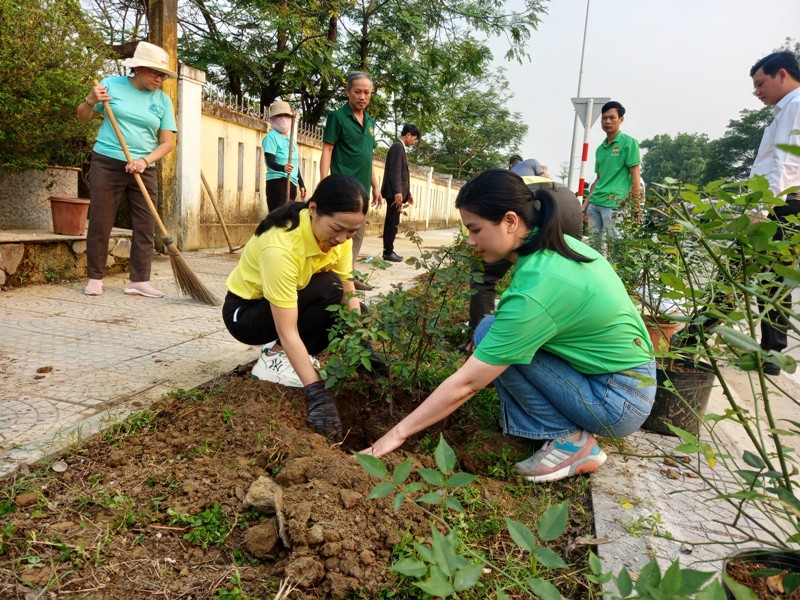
618 178
348 145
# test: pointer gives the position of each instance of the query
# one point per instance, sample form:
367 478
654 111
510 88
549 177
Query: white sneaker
275 367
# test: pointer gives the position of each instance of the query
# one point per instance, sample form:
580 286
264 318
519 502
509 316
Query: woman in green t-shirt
566 349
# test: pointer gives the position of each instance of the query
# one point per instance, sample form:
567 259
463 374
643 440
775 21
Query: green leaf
712 591
398 501
649 577
792 276
753 460
372 465
413 488
791 149
460 480
671 582
425 552
430 498
553 523
521 535
467 577
432 476
444 552
549 558
737 339
436 585
596 565
501 595
409 567
624 583
402 472
544 589
739 591
693 580
454 504
444 455
381 490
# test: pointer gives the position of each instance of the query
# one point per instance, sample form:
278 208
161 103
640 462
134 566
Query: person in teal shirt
567 351
276 157
618 178
146 119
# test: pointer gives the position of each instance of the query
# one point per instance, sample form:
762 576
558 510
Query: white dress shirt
781 168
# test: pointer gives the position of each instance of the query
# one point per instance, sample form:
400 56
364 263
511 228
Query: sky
675 65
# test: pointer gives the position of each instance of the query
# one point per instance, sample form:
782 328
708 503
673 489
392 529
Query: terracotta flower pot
660 329
69 215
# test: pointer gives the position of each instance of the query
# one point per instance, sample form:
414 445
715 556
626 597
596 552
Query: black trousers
276 193
390 225
776 323
481 303
251 321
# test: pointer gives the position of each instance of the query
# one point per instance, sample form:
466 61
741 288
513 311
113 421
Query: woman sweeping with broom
146 118
298 263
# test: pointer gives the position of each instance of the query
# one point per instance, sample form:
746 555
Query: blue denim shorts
549 399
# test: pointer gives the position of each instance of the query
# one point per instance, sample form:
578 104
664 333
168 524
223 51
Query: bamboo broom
187 281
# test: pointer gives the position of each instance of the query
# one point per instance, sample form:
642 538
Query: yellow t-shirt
278 263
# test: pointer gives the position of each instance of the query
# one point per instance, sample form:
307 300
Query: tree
682 157
731 156
48 57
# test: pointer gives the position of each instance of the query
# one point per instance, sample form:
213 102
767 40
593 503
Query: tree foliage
731 156
48 57
683 157
429 61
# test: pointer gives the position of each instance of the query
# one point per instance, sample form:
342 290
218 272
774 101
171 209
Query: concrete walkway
71 365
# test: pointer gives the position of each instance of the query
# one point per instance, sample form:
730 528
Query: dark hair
334 194
412 129
495 192
772 63
613 104
515 158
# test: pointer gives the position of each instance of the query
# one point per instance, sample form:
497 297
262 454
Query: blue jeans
549 399
602 226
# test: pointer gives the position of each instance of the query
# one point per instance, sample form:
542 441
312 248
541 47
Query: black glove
379 366
322 414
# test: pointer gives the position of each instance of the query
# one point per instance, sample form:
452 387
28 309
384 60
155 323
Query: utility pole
162 15
574 145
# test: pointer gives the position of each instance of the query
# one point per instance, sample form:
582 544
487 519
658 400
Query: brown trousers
108 183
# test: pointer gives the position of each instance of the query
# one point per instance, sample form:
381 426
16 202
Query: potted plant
46 70
732 272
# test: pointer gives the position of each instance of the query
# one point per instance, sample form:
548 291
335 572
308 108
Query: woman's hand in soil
388 443
322 417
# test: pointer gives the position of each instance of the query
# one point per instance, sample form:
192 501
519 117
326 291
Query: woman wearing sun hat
147 120
276 155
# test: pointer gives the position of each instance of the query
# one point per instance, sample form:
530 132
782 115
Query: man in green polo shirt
618 178
349 143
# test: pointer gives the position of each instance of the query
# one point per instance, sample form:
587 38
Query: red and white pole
585 153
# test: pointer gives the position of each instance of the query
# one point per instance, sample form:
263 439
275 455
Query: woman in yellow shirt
297 264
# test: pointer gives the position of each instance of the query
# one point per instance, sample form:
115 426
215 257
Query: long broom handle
289 175
216 209
145 193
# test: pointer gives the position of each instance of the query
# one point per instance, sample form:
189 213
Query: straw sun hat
152 56
280 107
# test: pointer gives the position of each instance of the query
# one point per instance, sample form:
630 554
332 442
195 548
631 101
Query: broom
289 175
187 281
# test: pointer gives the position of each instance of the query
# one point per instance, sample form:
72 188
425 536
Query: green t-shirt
613 162
577 311
140 115
353 145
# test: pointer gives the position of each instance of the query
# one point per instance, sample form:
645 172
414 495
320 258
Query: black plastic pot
771 558
685 406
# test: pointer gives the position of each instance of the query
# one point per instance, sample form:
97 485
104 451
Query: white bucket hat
150 55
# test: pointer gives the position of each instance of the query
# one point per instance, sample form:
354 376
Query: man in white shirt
776 79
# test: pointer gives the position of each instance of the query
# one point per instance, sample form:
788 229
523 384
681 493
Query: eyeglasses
157 74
